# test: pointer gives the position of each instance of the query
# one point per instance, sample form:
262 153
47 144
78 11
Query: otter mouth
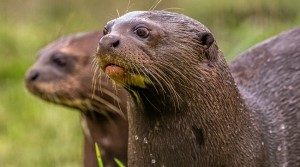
115 71
113 68
122 73
44 93
61 99
112 65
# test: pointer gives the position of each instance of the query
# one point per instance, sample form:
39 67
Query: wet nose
32 75
108 42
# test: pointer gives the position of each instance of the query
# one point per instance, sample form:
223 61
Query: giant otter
63 74
185 107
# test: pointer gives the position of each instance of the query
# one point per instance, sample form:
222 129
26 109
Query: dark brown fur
189 113
63 74
269 76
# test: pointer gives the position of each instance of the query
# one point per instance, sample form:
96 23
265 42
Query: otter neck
210 126
109 132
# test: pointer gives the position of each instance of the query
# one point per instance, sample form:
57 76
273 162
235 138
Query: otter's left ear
206 39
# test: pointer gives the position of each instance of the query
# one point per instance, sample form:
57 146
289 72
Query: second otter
186 109
63 74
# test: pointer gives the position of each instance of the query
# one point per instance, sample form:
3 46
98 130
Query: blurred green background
36 133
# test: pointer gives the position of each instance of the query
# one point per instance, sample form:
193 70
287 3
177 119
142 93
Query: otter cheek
116 73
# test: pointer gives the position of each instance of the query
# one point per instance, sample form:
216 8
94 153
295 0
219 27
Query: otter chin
123 76
185 107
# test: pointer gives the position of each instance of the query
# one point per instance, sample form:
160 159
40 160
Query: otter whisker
150 73
169 86
118 13
109 105
129 5
111 94
156 3
181 80
94 79
103 110
173 72
118 102
151 103
169 9
141 70
99 78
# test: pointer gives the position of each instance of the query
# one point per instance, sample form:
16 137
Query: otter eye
142 32
60 61
105 31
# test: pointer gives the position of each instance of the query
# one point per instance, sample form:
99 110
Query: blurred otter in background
63 74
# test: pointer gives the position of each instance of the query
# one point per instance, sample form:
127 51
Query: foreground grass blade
98 154
100 163
119 163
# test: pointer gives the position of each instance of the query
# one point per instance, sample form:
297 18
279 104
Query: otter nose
108 42
32 75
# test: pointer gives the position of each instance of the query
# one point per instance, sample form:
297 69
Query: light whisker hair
110 106
172 9
156 3
168 85
118 13
129 5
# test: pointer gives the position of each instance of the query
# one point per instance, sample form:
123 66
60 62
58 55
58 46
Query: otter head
63 73
158 50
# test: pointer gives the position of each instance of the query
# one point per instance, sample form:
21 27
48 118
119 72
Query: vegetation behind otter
36 133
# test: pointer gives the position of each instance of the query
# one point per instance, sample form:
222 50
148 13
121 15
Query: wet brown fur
190 113
269 76
102 105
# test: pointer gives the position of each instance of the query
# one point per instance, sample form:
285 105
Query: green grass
100 163
36 133
119 163
98 154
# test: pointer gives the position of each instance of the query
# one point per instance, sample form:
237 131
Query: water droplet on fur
136 137
262 143
279 148
270 131
145 140
285 164
282 127
153 161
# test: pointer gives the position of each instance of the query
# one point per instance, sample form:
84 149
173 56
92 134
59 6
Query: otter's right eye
105 31
60 61
142 32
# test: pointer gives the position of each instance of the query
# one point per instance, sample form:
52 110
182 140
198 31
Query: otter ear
206 39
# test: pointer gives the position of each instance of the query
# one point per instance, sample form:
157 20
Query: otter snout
107 43
32 78
32 75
